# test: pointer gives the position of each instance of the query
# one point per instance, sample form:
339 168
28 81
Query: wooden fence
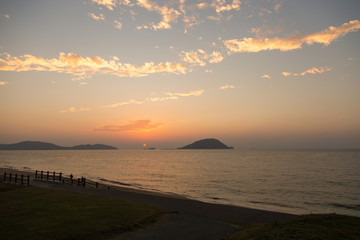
68 179
17 178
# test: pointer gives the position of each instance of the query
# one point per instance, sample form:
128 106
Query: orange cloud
293 42
85 66
110 4
198 58
170 96
118 24
187 94
222 5
2 83
5 16
74 109
101 17
313 70
227 87
168 14
266 76
131 126
125 103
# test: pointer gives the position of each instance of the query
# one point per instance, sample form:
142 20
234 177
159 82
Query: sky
253 74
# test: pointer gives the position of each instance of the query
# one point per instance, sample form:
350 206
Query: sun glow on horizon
169 72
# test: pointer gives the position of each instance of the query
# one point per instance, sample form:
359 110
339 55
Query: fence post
36 173
28 180
15 178
22 179
84 180
47 176
10 175
42 175
5 177
97 184
60 177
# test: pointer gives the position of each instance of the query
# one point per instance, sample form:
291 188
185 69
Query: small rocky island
36 145
209 143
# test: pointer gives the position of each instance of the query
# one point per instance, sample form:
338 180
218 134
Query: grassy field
41 213
306 227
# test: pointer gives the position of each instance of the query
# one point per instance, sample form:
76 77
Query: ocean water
293 181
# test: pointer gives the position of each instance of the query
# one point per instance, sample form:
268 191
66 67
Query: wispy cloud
110 4
293 42
118 24
169 96
74 109
199 57
171 11
263 31
101 17
266 76
131 126
168 14
227 87
186 94
3 83
5 16
313 70
125 103
222 5
85 66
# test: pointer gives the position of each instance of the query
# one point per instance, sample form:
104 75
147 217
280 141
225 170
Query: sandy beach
192 219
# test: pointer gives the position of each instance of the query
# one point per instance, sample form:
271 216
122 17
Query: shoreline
171 203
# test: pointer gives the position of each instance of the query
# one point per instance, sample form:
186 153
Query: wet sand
194 219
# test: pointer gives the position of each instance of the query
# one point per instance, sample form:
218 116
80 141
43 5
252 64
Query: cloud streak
74 109
313 70
168 14
293 42
222 5
131 126
110 4
169 96
101 17
77 65
200 57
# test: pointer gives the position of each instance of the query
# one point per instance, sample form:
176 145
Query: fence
17 178
62 178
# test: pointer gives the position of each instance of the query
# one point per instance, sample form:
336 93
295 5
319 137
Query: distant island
209 143
35 145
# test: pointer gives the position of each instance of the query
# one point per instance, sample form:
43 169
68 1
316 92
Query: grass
41 213
306 227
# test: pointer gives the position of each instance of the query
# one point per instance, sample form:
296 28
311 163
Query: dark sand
193 220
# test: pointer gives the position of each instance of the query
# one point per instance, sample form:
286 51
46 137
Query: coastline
171 203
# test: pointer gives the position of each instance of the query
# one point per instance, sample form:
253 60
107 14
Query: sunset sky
253 74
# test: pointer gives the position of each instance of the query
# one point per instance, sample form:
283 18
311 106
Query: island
209 143
36 145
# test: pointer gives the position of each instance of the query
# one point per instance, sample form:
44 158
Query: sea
292 181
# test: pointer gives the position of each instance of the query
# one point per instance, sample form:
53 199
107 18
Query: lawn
42 213
306 227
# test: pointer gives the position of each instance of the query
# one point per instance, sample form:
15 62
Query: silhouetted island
209 143
35 145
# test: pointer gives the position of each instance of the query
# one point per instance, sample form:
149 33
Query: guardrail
67 179
17 178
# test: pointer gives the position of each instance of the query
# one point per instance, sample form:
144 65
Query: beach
187 219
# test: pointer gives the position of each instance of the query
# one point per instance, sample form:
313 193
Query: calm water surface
303 181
